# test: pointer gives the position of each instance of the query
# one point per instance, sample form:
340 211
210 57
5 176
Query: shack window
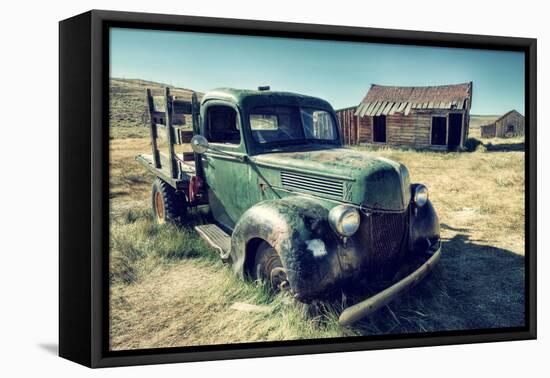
511 128
379 129
222 125
439 131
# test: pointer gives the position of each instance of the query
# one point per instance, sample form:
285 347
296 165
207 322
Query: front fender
297 228
424 227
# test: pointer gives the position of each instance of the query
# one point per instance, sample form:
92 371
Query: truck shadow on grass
505 147
474 286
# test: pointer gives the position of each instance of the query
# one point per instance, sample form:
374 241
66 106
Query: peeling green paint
283 196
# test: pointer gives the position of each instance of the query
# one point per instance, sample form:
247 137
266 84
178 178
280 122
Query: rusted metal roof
506 115
493 123
387 100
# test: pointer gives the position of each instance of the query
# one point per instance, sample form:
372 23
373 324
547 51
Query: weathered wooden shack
435 117
510 124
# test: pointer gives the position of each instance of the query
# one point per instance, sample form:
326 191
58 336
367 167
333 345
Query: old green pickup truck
290 205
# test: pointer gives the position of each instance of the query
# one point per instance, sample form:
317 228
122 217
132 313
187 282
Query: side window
222 125
439 131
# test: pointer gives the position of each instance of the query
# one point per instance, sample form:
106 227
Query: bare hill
128 108
479 120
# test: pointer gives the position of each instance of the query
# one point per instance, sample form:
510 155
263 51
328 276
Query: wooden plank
182 107
408 109
188 156
183 135
381 108
389 108
394 108
402 107
170 134
386 108
378 108
159 117
153 129
371 111
363 110
359 108
195 125
368 111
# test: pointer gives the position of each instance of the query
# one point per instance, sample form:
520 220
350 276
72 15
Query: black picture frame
83 181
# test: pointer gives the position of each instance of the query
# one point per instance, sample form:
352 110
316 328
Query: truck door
226 174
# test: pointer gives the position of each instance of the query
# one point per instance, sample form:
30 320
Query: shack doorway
439 131
455 130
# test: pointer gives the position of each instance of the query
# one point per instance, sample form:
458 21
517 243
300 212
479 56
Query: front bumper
368 306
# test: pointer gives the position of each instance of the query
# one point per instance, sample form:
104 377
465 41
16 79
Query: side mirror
199 144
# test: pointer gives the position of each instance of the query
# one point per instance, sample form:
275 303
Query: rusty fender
370 305
297 228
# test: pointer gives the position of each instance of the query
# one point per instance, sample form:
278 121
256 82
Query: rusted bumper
368 306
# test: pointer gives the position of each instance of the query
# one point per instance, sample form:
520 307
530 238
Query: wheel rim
278 279
159 207
276 274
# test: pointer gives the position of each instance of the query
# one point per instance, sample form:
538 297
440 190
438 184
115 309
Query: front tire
168 205
269 269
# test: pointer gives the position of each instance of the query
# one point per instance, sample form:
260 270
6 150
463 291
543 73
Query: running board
216 238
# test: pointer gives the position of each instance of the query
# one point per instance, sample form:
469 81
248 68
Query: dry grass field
168 288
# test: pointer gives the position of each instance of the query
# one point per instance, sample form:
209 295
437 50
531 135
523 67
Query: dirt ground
169 289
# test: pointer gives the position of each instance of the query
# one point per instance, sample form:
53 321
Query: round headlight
420 195
344 220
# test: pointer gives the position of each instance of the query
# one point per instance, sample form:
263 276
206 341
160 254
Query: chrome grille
312 184
388 234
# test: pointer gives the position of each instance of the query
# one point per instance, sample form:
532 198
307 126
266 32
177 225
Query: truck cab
293 207
245 128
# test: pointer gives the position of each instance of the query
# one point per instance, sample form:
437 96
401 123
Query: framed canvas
235 188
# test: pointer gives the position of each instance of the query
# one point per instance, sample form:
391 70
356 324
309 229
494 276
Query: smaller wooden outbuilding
511 124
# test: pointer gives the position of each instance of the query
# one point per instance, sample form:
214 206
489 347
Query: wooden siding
348 125
499 128
403 130
365 130
488 131
413 130
512 118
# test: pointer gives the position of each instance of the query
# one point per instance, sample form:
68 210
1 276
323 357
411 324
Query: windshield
291 124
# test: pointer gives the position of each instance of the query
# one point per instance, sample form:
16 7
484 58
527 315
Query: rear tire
269 269
168 205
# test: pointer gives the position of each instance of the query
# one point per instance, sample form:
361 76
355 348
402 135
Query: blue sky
340 72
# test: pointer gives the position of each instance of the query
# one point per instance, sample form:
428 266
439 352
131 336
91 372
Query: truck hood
340 173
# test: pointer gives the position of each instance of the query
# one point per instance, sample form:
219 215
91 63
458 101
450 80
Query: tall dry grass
168 288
